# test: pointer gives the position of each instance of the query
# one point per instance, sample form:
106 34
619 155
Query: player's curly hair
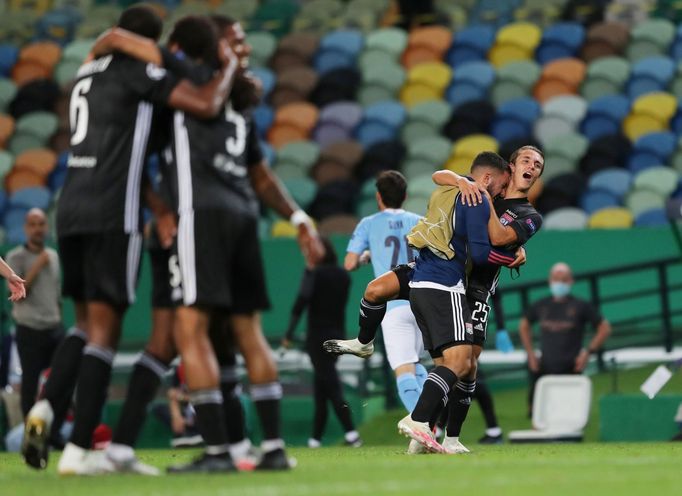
197 37
142 20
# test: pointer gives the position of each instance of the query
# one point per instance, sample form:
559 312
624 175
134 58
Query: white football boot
348 347
454 447
420 432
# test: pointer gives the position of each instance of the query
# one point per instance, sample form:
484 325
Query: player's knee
374 293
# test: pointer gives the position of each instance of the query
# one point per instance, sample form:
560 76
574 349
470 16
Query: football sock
93 383
408 390
435 393
142 388
267 398
232 405
371 316
421 373
61 383
485 401
493 432
460 401
210 420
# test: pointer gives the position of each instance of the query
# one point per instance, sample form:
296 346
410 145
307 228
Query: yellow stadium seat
434 74
660 105
414 93
460 165
503 54
472 145
522 34
284 229
639 124
611 218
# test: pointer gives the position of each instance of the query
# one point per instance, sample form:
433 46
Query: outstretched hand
17 288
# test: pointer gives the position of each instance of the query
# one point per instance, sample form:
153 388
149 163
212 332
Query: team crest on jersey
506 219
530 224
469 328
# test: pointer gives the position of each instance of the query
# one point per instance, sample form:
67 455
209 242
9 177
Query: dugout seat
560 411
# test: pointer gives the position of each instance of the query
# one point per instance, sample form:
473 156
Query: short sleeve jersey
110 114
562 329
384 235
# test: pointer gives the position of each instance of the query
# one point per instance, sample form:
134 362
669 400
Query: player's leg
202 375
459 404
401 338
389 286
320 410
46 417
482 394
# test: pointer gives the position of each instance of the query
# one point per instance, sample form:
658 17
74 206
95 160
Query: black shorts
219 262
404 274
480 311
160 259
101 267
443 318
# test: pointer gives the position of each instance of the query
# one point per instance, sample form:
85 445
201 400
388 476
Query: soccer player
384 235
512 222
99 220
450 234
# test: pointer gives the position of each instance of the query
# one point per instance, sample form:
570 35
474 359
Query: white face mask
559 289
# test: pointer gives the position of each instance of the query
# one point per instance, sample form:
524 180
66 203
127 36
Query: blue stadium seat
652 218
14 224
596 199
470 44
615 181
478 73
59 25
263 116
268 152
560 40
460 93
328 60
638 161
525 109
390 113
510 128
663 144
348 41
346 114
371 132
267 78
58 175
3 202
604 116
30 198
8 57
659 68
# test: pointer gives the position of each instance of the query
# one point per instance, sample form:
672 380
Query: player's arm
471 193
526 337
603 328
477 237
301 303
14 282
166 222
357 246
177 420
121 40
34 271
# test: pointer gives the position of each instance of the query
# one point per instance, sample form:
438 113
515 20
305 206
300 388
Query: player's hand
310 244
365 258
503 342
103 44
533 363
581 361
226 55
16 287
471 193
166 228
520 258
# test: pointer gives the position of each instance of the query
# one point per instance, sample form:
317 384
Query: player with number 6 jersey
384 235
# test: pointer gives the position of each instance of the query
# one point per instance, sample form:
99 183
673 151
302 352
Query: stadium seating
596 86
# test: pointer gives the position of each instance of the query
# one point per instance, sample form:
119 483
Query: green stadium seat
300 154
302 190
289 171
663 180
8 90
421 186
425 119
6 162
40 124
641 200
567 218
650 37
263 45
65 72
416 204
514 80
389 40
367 206
371 94
77 50
237 9
434 149
417 167
21 142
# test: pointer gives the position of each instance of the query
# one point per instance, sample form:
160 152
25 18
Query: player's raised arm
479 246
471 193
121 40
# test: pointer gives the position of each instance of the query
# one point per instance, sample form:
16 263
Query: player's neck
512 193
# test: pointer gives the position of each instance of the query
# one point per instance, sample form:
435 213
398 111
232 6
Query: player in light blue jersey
384 236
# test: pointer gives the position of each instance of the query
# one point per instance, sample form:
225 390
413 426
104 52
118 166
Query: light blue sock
408 390
421 373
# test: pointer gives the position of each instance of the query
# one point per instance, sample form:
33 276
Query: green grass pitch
381 467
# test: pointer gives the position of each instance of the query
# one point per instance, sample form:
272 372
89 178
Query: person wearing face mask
562 319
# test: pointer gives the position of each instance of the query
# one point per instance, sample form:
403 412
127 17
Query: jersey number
481 308
395 242
236 144
175 274
79 113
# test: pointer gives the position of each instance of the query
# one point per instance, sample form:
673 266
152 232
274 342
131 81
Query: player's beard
246 91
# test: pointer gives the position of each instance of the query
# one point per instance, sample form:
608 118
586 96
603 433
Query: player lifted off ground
450 234
99 222
385 236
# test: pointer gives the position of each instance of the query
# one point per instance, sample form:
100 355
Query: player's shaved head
143 20
35 213
560 271
489 159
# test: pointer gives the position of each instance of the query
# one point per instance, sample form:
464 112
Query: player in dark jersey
99 218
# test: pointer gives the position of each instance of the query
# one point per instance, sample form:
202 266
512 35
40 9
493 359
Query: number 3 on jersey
79 113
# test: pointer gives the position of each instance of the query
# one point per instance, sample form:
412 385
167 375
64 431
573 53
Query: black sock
460 401
142 388
232 405
434 393
371 316
93 383
267 398
61 383
485 401
210 420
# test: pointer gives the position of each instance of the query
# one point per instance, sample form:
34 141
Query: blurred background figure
38 317
324 293
562 319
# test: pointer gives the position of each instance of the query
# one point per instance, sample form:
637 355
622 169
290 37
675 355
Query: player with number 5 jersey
384 235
